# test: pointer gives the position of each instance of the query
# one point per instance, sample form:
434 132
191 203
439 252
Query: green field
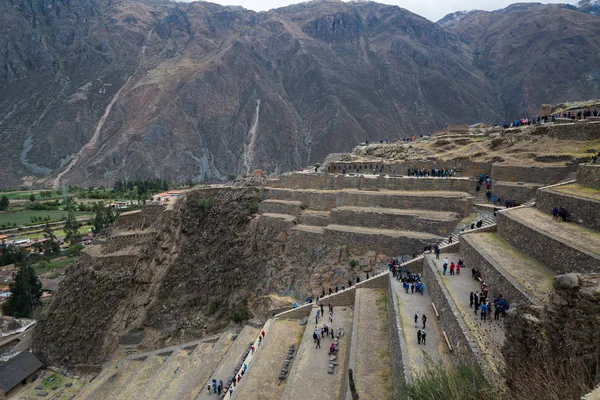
24 217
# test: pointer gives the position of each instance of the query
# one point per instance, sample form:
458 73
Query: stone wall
557 256
278 224
546 175
139 220
589 175
497 278
583 211
314 219
338 181
360 243
280 207
464 168
325 201
379 218
575 131
465 347
397 345
521 193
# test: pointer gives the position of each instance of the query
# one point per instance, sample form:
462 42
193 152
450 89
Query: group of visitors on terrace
480 301
435 172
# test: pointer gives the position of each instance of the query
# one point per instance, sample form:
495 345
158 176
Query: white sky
431 9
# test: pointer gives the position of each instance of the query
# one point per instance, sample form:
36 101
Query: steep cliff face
181 273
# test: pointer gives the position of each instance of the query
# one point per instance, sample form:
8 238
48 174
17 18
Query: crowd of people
435 172
581 114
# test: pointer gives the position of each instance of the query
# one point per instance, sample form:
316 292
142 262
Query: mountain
589 6
92 91
534 53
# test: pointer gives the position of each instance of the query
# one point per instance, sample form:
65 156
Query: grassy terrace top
382 192
575 189
568 233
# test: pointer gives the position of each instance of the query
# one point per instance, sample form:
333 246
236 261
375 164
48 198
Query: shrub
205 204
353 263
240 313
213 306
74 250
253 208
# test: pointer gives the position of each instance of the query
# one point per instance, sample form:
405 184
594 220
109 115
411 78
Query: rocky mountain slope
94 91
179 274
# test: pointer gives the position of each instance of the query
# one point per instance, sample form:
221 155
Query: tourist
471 300
484 309
419 336
322 309
424 319
416 320
458 267
318 344
214 385
423 337
445 266
239 378
331 316
436 250
208 387
452 268
412 288
231 390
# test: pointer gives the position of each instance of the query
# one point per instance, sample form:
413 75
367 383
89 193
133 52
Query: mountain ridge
128 89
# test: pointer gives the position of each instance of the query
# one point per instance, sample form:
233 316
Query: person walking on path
437 252
331 316
471 300
458 269
322 309
445 266
416 320
419 336
423 336
318 343
452 268
424 319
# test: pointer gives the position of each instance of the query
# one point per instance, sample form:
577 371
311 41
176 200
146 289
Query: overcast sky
432 9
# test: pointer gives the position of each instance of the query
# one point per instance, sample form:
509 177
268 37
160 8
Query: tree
4 202
71 228
26 291
32 197
105 216
51 246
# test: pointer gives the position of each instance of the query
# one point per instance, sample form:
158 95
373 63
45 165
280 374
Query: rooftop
17 369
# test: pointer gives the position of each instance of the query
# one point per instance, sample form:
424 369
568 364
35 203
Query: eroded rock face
559 341
181 273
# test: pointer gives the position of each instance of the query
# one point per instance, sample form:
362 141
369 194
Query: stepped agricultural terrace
518 254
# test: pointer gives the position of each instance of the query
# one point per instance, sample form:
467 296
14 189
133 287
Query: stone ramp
260 382
518 277
114 381
563 247
196 380
489 334
226 367
435 347
370 356
163 375
309 378
581 202
194 362
139 378
434 222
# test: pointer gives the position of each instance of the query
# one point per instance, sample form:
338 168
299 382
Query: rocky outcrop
555 349
185 273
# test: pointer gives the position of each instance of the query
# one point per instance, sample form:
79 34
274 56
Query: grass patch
462 382
44 267
381 303
24 217
52 380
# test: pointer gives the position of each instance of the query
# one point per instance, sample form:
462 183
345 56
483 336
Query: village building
19 370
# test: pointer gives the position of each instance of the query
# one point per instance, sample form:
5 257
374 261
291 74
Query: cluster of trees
4 202
146 185
12 255
105 216
26 292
